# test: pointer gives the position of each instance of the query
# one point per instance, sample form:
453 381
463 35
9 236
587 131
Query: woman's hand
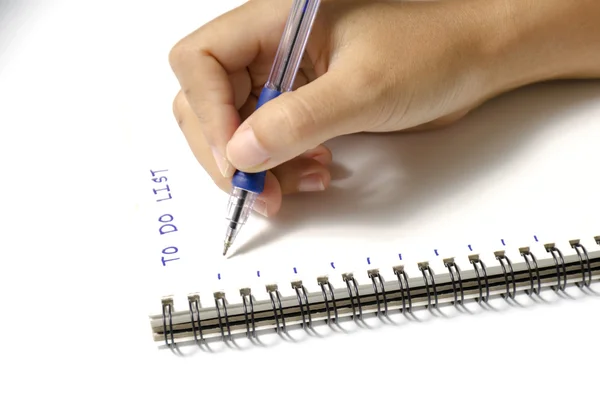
369 66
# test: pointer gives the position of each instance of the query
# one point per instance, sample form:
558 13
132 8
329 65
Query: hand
369 66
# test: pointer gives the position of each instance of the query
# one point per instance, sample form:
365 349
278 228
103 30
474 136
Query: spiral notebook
500 207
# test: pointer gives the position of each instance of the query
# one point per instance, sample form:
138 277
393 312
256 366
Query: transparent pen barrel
239 207
292 44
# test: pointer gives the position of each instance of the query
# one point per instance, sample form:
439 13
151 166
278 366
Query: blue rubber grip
255 182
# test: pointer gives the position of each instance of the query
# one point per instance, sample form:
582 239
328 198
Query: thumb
295 122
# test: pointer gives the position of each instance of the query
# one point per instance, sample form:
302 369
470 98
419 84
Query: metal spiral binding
349 277
529 261
404 286
302 293
560 263
199 325
425 269
194 305
247 298
504 263
167 309
324 281
452 270
374 275
275 295
582 252
221 302
474 259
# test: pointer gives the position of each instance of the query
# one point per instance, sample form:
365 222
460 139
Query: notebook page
503 178
476 187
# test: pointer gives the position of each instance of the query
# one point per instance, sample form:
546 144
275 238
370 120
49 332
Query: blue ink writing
436 253
164 187
332 265
502 242
167 227
219 276
400 256
295 272
258 273
369 261
156 172
169 251
470 249
535 237
165 196
162 192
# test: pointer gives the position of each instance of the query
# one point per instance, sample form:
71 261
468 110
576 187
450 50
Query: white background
85 112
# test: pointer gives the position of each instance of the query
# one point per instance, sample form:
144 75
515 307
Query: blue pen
247 186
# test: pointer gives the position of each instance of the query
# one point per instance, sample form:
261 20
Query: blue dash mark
332 265
258 273
219 276
535 237
436 253
400 256
369 261
470 248
295 272
502 241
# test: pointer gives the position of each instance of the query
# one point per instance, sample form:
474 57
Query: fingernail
224 166
245 151
311 183
260 207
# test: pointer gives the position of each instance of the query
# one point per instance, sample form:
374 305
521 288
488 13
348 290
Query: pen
247 186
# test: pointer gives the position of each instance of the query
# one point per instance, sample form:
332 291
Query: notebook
498 209
79 286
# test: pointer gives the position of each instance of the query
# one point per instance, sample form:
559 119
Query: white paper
85 104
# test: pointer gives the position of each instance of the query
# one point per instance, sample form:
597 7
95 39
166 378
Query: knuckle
175 56
179 105
180 54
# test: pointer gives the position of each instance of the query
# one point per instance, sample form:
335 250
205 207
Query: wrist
520 42
504 55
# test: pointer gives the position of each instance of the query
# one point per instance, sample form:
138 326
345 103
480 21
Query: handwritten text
166 221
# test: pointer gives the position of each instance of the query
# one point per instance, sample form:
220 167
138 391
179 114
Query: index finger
203 60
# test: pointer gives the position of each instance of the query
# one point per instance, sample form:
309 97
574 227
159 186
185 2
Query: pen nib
225 248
